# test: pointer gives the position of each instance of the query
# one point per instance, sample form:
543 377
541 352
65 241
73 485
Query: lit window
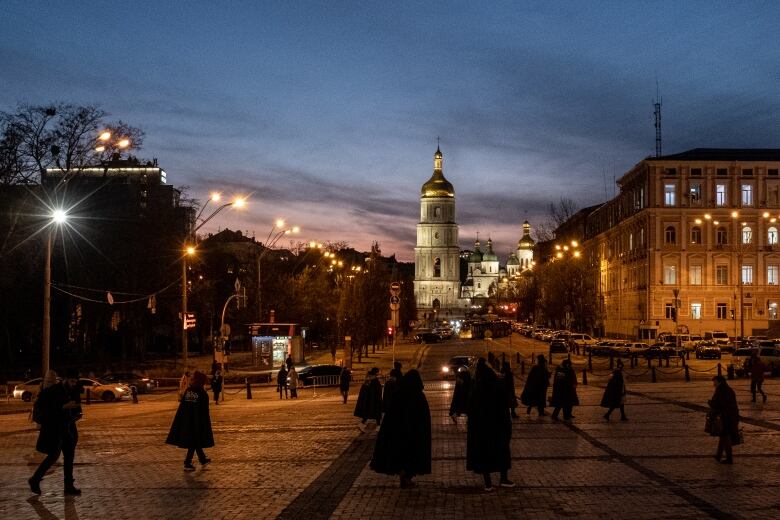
771 275
747 235
696 311
696 235
670 235
720 195
772 310
747 274
694 275
695 194
670 275
669 194
747 194
771 235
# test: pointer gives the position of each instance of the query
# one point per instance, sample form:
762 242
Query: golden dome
437 185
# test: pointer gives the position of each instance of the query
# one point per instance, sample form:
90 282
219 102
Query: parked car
630 349
558 346
327 375
28 390
708 350
718 336
660 350
739 357
108 392
580 340
454 364
142 384
427 337
604 348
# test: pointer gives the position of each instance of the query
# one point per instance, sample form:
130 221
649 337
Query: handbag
713 424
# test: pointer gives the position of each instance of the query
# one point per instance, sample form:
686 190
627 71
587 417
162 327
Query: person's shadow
44 514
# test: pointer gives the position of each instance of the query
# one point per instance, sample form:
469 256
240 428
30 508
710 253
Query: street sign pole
395 305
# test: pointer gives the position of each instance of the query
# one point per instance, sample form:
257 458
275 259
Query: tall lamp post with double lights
58 217
190 250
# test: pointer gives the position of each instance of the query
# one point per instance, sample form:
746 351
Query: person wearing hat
191 427
535 391
369 401
564 393
58 409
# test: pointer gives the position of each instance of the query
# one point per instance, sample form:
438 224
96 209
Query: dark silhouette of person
460 396
508 382
757 369
369 401
191 427
344 379
615 395
724 404
57 409
281 382
390 389
216 385
564 393
488 428
535 390
403 445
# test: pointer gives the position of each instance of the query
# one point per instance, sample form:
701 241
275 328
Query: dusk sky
327 113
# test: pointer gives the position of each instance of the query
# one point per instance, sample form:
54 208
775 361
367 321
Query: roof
723 154
437 186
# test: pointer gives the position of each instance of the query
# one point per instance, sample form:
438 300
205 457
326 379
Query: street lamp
58 217
277 231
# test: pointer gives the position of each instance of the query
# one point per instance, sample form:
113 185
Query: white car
29 390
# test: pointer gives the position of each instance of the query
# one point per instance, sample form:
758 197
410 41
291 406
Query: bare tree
557 214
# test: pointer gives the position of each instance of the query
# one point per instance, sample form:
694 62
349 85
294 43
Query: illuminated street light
123 143
105 136
215 196
280 223
58 217
190 250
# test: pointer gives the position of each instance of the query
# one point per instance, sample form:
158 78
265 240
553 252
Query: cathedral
438 287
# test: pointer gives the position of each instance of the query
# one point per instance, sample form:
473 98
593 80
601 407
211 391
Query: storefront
273 342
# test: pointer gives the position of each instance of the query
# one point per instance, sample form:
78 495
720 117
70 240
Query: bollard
688 354
730 371
584 377
551 357
568 356
661 361
649 362
134 394
522 367
667 362
518 357
611 361
89 396
687 375
720 370
653 372
248 388
685 363
590 361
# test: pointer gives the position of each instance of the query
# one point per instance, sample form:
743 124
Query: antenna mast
657 114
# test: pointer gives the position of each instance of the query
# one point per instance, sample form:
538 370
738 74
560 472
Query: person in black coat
369 402
403 445
615 395
216 385
58 408
508 382
344 379
489 428
535 390
460 396
724 403
191 428
564 393
281 382
391 389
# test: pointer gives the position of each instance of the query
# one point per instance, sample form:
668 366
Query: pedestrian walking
281 382
288 362
564 392
488 428
369 402
615 395
460 396
191 427
535 391
344 379
184 383
292 375
391 388
724 409
757 369
57 409
508 382
216 385
403 445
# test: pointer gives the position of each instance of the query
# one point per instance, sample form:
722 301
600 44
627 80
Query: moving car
106 391
454 364
427 337
141 383
327 375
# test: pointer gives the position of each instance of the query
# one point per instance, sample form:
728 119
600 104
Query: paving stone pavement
307 459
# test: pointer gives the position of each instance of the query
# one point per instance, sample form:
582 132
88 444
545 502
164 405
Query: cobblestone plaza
306 458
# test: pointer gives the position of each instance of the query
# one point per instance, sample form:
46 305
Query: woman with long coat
403 445
460 396
292 375
489 428
344 379
615 395
724 403
564 393
535 390
369 402
191 428
508 382
216 384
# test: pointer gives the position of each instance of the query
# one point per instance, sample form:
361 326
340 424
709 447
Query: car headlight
120 389
445 369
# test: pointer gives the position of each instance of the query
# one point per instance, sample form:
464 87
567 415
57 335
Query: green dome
512 260
489 255
475 257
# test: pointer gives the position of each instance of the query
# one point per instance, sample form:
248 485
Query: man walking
281 382
757 369
58 409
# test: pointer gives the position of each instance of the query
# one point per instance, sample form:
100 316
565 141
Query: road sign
395 303
190 321
395 288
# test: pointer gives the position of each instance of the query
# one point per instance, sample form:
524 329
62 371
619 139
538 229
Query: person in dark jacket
724 403
489 428
191 428
58 409
535 390
344 379
508 382
460 396
216 385
615 395
369 402
281 382
403 445
390 389
757 369
564 393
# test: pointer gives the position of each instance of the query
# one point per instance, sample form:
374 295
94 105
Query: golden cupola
437 185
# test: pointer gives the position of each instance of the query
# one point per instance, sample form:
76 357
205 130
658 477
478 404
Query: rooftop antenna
657 114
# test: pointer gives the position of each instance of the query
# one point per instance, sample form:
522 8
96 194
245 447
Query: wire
94 290
134 300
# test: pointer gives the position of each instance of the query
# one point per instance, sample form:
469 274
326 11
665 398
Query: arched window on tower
437 212
437 267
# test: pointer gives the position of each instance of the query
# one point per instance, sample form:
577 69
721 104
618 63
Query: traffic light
390 331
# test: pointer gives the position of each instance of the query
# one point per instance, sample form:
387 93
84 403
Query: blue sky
328 112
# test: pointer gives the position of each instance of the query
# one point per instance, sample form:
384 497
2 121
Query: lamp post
278 230
58 217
